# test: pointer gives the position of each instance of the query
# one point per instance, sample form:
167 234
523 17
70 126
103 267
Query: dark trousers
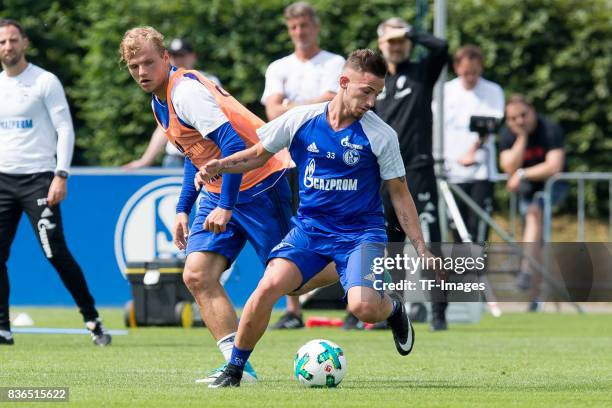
294 182
481 191
424 192
28 192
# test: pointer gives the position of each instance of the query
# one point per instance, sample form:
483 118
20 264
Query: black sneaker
351 322
99 335
403 333
418 313
289 321
438 325
6 338
523 281
230 377
535 306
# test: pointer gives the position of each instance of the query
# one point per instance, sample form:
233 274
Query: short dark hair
5 22
469 51
518 98
367 60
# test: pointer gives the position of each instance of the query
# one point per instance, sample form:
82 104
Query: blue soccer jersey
340 172
340 218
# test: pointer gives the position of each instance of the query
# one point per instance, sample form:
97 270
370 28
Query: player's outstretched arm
406 212
243 161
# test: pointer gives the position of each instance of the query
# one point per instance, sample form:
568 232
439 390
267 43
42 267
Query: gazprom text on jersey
16 124
331 184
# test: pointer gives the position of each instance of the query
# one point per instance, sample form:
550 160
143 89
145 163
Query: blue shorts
263 220
311 249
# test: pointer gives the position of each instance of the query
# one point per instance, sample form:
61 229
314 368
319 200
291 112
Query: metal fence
580 178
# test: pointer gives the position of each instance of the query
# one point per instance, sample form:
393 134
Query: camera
484 125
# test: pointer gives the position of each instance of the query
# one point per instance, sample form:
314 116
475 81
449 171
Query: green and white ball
319 363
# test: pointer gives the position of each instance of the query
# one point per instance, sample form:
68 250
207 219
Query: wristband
61 174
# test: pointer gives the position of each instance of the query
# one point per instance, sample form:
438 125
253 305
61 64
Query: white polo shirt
485 99
301 81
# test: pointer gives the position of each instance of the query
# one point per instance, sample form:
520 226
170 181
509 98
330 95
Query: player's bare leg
292 319
201 275
367 304
293 305
326 277
281 277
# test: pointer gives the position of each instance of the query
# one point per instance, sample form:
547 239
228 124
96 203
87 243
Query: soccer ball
319 363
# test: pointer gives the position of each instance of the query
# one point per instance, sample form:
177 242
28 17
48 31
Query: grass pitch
532 360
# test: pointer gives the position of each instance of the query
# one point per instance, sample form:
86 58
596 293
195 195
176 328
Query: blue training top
340 172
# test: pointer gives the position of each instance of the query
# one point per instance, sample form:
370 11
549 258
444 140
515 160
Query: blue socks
240 357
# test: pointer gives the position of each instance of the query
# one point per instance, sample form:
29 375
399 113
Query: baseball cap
180 46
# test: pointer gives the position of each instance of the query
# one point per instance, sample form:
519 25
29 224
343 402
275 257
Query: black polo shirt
405 103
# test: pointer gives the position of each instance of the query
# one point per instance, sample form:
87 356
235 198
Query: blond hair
133 40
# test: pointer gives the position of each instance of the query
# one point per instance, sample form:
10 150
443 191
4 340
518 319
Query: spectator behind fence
405 104
306 76
470 158
182 55
35 155
531 151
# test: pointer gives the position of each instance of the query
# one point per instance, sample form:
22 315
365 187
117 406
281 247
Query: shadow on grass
497 329
423 328
173 345
389 384
86 343
405 384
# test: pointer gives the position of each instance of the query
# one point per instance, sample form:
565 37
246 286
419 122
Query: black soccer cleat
6 338
99 335
351 322
230 377
524 281
438 324
418 312
289 321
403 333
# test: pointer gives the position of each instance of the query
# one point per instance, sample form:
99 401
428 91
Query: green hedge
234 40
559 53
